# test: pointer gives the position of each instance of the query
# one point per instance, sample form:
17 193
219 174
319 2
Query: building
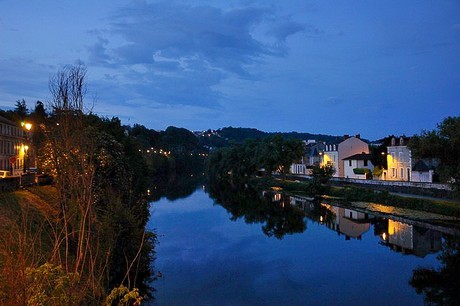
421 172
351 223
13 147
399 160
358 166
411 239
335 153
310 157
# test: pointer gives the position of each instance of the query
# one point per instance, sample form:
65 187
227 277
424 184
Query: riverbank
351 193
30 224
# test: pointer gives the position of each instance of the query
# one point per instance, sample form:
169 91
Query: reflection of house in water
410 239
351 223
301 203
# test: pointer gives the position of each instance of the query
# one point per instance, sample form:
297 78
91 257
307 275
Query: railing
394 183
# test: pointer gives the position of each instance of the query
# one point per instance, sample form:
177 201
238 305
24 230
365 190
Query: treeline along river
220 245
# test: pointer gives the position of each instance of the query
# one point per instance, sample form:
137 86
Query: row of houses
351 158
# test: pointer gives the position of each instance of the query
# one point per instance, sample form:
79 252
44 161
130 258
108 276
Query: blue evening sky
333 67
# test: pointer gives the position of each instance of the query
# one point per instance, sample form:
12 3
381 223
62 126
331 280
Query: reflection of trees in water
441 286
274 212
174 187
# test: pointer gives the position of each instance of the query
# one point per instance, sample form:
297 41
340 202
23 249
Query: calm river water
271 249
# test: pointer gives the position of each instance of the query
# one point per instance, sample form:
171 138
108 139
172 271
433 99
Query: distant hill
221 137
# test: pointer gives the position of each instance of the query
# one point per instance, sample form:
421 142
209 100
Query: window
394 171
349 163
365 163
402 172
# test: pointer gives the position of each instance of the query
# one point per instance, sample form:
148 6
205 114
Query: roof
360 156
4 120
420 166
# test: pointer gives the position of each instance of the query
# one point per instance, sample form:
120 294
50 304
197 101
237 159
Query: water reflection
411 239
202 249
272 209
174 187
441 286
283 214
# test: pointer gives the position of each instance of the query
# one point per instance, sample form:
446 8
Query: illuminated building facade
335 153
399 160
12 147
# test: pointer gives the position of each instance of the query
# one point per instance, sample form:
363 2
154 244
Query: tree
21 109
277 153
320 176
443 143
101 180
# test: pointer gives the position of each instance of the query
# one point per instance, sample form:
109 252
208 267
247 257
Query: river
254 248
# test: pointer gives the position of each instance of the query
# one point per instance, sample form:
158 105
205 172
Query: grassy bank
25 237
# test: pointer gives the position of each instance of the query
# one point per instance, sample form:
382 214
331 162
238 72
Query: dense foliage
442 144
242 160
95 237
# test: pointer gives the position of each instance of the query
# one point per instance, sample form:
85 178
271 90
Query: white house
358 166
421 172
399 160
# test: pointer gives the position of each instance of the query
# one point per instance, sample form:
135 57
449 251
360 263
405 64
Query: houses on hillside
351 158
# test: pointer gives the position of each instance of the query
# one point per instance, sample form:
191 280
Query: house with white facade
358 166
421 172
335 153
399 160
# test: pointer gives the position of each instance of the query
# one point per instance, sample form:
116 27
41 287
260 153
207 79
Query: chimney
346 136
358 136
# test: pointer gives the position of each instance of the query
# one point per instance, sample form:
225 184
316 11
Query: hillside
222 137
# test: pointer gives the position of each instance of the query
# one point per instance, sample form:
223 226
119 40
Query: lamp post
27 126
26 148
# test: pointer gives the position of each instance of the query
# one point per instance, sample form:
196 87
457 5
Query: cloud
186 50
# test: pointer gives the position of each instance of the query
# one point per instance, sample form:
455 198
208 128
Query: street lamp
27 126
26 147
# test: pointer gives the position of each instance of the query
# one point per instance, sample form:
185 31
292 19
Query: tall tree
443 143
21 109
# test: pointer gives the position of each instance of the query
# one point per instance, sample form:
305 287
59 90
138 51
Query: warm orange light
26 125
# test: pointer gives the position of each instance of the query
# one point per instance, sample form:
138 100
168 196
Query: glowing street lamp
26 125
26 148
